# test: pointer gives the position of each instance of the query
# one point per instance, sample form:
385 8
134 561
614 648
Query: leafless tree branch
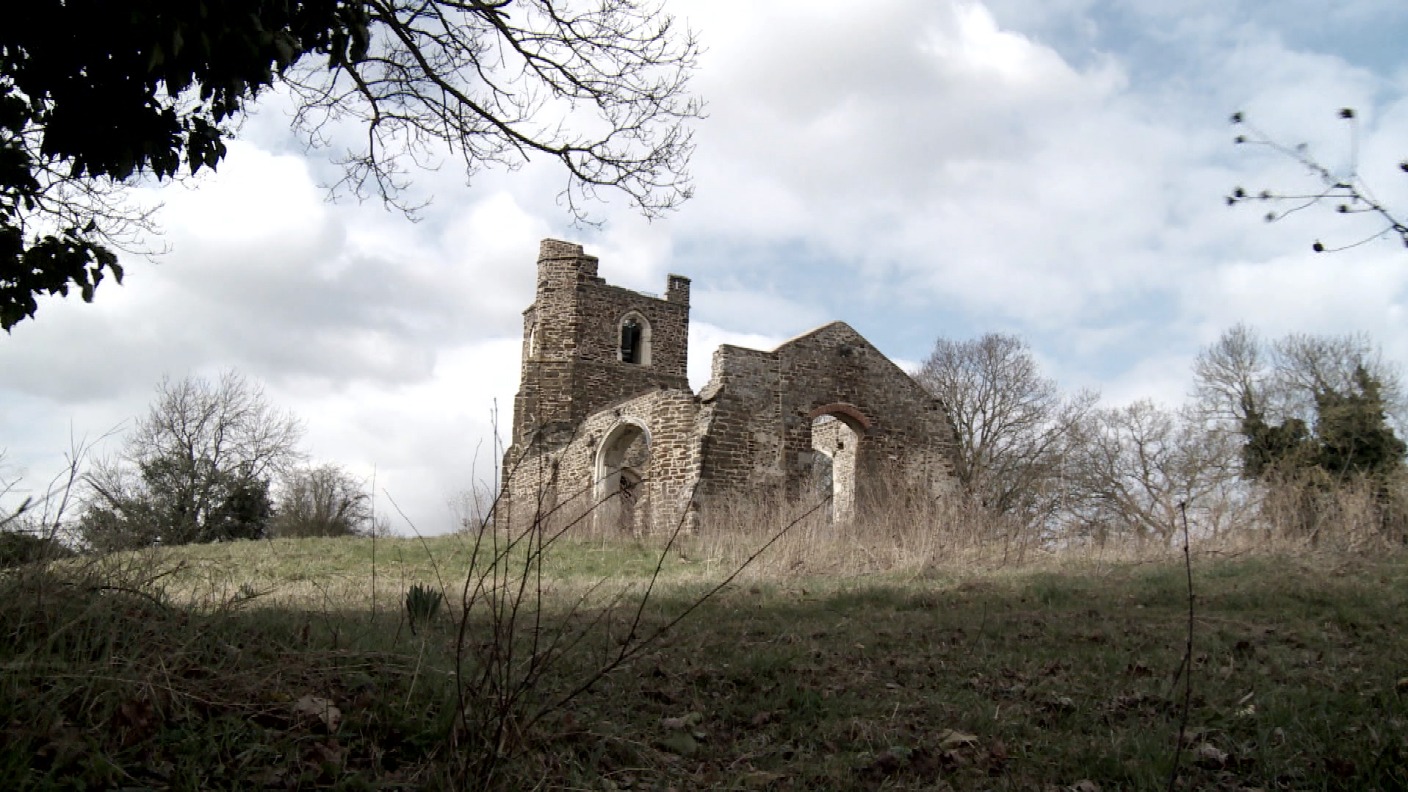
601 88
1349 192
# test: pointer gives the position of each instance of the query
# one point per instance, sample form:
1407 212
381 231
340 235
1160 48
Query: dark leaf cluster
1353 430
172 508
18 548
95 92
122 88
1351 436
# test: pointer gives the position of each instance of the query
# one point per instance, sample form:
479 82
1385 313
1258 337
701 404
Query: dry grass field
837 660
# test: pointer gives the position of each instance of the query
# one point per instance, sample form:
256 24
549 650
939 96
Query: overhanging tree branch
601 90
94 94
1349 192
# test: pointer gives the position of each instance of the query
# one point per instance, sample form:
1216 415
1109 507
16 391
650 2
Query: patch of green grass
1015 679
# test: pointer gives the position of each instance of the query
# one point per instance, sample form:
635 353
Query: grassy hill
295 665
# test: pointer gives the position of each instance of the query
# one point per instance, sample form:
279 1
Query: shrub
422 604
18 548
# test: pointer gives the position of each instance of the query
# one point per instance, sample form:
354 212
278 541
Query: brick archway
845 411
836 433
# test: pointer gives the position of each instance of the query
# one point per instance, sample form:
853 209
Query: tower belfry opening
635 341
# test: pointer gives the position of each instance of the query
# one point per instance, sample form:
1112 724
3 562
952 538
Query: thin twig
1351 190
1187 665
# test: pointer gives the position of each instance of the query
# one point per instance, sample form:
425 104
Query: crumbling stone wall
763 406
628 445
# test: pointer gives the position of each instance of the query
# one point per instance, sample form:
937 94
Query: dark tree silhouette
322 501
96 93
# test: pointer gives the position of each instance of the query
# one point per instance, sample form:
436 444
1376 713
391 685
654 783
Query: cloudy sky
916 168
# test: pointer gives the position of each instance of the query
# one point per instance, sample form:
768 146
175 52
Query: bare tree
1241 378
1230 377
1138 465
322 501
1012 423
196 468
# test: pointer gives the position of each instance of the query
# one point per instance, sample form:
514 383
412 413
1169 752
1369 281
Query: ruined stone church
605 425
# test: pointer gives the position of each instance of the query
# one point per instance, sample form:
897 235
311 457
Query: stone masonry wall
762 405
667 418
752 431
738 420
571 362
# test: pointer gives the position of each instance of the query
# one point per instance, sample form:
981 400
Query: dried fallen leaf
1194 735
889 761
679 743
321 709
1209 755
951 738
136 719
682 722
1085 785
329 753
997 756
1340 767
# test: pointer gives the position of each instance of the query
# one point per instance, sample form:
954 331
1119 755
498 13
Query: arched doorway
836 432
622 465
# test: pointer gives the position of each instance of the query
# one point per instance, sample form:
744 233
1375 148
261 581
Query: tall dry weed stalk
512 641
900 534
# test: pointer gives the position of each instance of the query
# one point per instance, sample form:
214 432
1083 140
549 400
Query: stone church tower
587 345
